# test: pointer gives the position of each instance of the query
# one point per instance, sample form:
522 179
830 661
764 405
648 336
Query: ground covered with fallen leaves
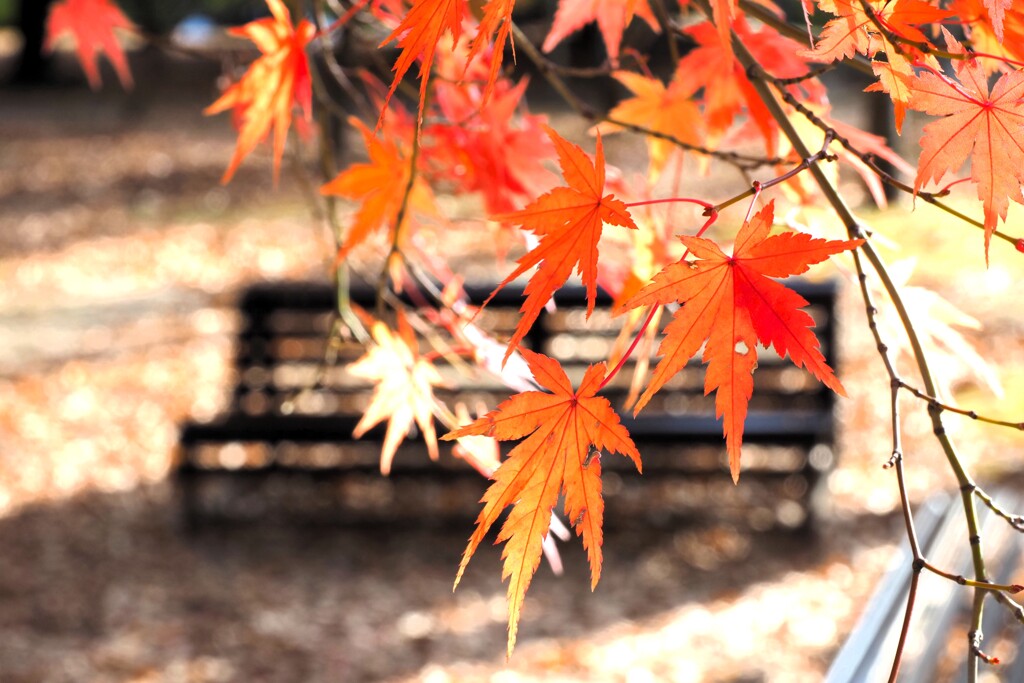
120 255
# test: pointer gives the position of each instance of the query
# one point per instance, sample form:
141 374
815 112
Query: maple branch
708 206
752 8
355 9
1016 610
895 460
813 73
870 161
898 40
854 229
756 187
964 581
395 250
548 70
337 72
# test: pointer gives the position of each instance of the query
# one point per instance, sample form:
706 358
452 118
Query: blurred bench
282 427
937 640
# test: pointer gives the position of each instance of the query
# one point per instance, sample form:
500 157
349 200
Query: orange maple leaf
263 99
997 11
985 125
569 221
496 21
380 185
404 392
854 32
1005 41
559 430
91 23
722 13
419 34
731 302
668 110
612 17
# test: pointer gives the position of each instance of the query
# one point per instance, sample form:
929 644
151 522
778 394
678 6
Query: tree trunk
33 67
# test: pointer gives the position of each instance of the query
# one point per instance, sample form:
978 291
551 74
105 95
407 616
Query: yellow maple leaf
404 392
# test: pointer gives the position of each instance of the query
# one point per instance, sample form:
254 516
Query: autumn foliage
742 91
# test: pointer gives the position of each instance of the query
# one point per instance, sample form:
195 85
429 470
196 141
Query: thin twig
936 404
1015 521
932 198
550 73
853 227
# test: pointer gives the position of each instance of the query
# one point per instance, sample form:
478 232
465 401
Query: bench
284 426
937 639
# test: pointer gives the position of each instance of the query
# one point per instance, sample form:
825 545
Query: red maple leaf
612 17
265 96
471 146
854 31
1005 40
91 23
711 66
731 302
559 430
569 222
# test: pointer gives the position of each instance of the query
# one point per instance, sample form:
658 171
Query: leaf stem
689 200
343 19
632 346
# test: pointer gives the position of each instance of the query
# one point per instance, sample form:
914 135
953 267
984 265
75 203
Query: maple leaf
727 90
264 97
722 13
569 222
419 34
404 392
496 21
612 17
985 125
380 185
1006 41
559 430
731 302
91 23
668 110
854 32
472 146
997 11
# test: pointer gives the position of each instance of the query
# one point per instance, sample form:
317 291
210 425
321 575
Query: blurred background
121 257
